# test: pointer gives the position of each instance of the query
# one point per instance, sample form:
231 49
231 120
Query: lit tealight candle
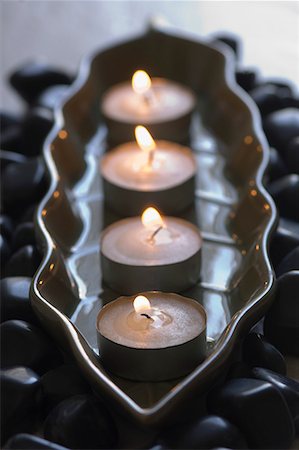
151 253
161 104
138 173
152 337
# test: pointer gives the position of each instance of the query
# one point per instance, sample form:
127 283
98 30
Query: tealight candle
138 174
161 104
151 253
154 337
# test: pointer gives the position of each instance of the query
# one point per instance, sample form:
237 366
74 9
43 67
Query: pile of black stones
45 401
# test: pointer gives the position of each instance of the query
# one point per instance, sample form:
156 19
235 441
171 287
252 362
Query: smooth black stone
289 262
28 215
257 351
7 158
81 422
231 40
21 398
285 239
37 125
4 250
14 299
52 97
32 78
23 235
247 79
285 193
11 139
24 441
292 155
61 383
281 324
208 432
24 183
281 127
25 344
239 369
276 168
24 262
288 387
6 226
8 120
280 83
270 98
258 409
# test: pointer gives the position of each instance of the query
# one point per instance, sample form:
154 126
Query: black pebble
24 234
281 324
208 432
270 98
257 351
6 226
32 78
21 398
285 193
25 344
7 158
285 239
281 127
239 369
289 262
61 383
24 262
52 97
14 300
81 422
26 441
276 168
8 120
4 251
258 409
280 83
246 78
11 139
37 125
231 40
23 184
292 155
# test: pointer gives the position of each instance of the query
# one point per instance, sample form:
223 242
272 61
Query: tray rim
153 415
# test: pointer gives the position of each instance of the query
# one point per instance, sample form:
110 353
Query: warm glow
151 218
141 303
144 139
141 82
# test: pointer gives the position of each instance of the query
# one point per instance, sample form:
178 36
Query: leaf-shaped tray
232 208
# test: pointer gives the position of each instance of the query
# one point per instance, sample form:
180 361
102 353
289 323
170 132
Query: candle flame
141 82
144 139
141 303
151 218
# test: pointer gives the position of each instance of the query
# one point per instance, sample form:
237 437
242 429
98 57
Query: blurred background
62 32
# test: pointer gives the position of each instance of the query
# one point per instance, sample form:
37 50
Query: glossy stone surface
208 432
257 351
52 97
281 324
37 124
25 344
4 250
289 262
81 422
6 226
281 127
239 369
61 383
14 299
20 400
276 168
231 40
287 386
24 262
32 78
24 441
285 193
246 78
8 120
258 409
292 155
24 234
270 98
11 139
23 183
285 239
7 158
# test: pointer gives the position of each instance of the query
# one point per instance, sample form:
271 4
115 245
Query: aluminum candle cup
162 105
152 253
155 336
135 177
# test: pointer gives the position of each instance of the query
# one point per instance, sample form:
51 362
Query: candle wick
148 97
155 233
150 157
146 315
